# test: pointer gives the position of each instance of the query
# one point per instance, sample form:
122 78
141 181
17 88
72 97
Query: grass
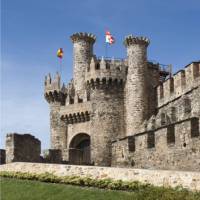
15 189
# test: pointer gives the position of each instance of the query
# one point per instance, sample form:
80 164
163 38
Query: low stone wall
22 148
186 179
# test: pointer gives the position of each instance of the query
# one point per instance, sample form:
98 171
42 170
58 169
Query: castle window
195 127
88 95
97 66
131 144
126 70
187 105
150 140
107 66
71 100
118 68
171 134
196 70
163 119
80 100
171 85
183 78
161 91
173 114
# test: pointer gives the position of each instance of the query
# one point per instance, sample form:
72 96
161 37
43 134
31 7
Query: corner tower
82 53
136 97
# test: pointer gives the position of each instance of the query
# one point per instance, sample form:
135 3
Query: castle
127 112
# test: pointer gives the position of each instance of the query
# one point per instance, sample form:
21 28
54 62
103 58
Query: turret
53 91
82 53
106 86
136 97
55 95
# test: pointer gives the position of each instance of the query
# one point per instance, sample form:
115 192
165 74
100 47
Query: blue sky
33 30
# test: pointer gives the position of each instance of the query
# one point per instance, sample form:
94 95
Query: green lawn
14 189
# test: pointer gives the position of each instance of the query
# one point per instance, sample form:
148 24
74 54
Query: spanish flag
60 53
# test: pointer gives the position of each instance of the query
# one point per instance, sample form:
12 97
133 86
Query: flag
109 38
60 53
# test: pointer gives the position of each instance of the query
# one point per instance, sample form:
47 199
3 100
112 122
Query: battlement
76 117
106 71
180 83
89 37
131 40
53 92
161 148
75 108
147 138
51 85
76 113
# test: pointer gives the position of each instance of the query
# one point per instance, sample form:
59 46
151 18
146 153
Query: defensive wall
173 147
22 148
183 82
170 138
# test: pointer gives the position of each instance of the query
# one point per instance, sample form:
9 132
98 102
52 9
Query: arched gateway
79 149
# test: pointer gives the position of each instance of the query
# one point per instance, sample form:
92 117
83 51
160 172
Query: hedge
86 181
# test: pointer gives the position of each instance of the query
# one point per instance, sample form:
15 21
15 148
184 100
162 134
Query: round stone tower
106 90
82 53
136 94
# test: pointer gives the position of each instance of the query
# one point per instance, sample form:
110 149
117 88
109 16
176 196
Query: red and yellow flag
60 53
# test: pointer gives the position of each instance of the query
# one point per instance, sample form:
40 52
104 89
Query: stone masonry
22 148
166 178
125 112
2 156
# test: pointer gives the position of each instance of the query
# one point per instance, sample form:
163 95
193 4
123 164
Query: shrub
99 183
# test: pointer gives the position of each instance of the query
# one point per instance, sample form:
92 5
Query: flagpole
60 66
106 50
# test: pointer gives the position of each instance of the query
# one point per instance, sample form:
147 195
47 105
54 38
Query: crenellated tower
82 53
55 96
136 103
105 79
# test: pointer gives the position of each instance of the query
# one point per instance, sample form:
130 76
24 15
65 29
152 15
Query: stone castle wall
170 138
58 128
21 148
110 99
106 121
181 83
175 146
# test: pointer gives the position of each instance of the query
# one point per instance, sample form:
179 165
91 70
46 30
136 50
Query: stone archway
79 149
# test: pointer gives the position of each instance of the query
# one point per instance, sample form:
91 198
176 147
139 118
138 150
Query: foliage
141 190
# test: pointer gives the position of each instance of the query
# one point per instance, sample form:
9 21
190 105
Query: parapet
180 83
51 85
106 71
161 148
89 37
131 40
53 91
